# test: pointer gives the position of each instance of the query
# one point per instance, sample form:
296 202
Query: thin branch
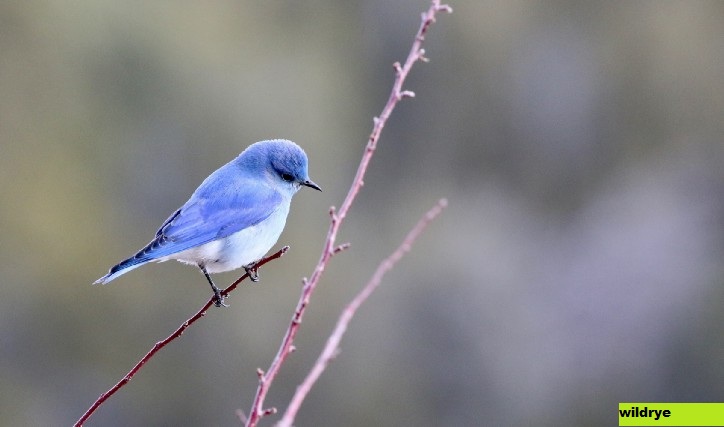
331 349
337 216
161 344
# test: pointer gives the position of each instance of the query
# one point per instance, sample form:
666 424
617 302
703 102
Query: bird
233 218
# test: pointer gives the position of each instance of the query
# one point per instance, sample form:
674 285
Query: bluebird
233 218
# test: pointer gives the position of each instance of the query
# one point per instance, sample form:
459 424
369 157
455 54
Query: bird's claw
219 299
252 272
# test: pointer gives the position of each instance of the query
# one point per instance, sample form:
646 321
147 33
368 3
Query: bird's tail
120 268
153 251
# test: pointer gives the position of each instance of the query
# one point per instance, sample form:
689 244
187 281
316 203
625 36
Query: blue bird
233 218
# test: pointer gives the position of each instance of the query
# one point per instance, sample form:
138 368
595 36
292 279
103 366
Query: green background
579 263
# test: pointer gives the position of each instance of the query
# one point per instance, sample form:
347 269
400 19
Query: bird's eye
287 177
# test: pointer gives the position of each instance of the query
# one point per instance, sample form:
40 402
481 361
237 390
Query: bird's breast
239 249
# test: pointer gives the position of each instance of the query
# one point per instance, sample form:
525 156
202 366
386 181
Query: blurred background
579 263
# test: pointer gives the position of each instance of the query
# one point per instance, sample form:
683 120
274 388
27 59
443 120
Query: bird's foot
219 299
252 271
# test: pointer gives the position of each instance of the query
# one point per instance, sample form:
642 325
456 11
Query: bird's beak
309 183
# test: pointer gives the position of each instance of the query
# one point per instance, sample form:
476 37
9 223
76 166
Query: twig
337 216
331 349
161 344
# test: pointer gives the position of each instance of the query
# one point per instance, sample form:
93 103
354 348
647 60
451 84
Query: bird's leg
252 271
218 299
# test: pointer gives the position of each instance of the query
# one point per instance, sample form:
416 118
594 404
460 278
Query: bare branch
331 349
338 216
161 344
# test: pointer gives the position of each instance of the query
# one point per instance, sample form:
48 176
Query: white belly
239 249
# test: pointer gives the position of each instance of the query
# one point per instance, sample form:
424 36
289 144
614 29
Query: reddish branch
332 347
337 216
161 344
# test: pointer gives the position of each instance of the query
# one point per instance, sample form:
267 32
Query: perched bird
233 218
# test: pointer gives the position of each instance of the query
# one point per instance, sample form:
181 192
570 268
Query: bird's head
283 161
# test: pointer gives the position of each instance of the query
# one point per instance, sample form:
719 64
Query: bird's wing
212 213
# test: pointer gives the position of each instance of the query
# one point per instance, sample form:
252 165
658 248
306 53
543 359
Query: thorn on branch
421 56
407 94
259 373
398 68
336 353
342 247
444 8
269 411
292 349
